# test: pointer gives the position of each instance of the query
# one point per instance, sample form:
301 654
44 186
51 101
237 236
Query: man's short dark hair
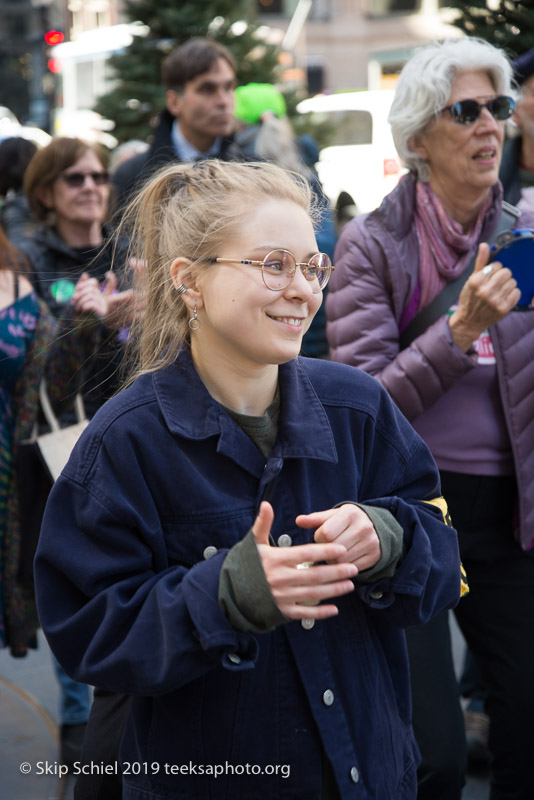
196 56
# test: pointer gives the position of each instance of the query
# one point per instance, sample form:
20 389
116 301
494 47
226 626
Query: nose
225 96
299 287
487 120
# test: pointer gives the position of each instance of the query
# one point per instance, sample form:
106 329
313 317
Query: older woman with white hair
414 302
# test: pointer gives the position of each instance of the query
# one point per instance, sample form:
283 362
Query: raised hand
487 296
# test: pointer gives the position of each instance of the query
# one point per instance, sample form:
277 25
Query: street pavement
29 702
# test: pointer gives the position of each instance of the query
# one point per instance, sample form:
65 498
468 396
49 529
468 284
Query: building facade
355 44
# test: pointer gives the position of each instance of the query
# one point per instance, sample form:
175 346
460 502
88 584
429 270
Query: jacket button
285 540
209 551
307 624
354 775
234 658
328 697
377 594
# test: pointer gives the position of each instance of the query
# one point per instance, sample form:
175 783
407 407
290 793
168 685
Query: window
383 8
347 127
270 6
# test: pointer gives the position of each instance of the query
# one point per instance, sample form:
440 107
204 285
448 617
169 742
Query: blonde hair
190 211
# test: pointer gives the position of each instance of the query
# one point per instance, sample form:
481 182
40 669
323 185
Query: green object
254 99
62 290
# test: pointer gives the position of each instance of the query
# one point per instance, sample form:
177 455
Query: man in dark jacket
199 80
517 166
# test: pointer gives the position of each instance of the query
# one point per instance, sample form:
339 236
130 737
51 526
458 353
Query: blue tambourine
515 250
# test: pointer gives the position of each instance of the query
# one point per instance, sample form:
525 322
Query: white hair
424 88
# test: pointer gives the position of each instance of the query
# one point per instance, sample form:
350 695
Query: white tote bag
56 446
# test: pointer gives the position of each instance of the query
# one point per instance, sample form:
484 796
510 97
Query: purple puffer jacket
377 263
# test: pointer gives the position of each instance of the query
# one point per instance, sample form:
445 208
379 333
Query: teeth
289 320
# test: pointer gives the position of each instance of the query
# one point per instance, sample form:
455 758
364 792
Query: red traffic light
54 37
54 65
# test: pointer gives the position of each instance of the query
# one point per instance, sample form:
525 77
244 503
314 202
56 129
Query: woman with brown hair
67 186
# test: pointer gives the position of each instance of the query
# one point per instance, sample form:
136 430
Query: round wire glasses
279 266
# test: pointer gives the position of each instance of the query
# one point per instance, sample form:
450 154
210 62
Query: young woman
241 535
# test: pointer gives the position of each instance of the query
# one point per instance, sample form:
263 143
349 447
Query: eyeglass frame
455 115
72 178
261 265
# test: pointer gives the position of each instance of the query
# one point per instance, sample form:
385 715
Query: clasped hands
344 538
116 309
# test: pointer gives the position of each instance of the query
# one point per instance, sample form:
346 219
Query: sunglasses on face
77 179
465 112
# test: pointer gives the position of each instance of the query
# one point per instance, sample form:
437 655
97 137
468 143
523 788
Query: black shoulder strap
17 288
450 293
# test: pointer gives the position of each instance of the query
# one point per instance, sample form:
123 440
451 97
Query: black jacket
508 173
130 175
54 270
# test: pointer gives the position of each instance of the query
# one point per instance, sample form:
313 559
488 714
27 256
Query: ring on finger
487 270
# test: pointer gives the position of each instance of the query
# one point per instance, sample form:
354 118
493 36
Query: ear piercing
194 322
181 289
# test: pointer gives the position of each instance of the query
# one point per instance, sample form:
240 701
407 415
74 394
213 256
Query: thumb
482 256
263 523
110 284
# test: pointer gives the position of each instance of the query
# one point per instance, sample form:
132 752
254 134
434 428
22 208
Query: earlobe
416 145
44 196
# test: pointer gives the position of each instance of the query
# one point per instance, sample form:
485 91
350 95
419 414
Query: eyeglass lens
467 111
279 267
77 179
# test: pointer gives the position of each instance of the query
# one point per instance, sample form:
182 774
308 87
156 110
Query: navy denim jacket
158 488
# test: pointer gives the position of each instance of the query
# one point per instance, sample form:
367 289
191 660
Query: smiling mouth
295 322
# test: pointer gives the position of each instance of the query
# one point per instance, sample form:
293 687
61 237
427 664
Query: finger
312 553
291 579
315 519
296 612
333 530
84 279
312 595
110 283
482 258
263 523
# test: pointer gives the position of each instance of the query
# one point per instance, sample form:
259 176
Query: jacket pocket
194 538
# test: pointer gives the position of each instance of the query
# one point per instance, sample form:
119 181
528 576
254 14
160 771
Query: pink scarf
444 248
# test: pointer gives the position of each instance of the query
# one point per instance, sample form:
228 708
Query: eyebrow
270 248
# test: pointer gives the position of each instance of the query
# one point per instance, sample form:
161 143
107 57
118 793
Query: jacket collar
162 151
191 412
396 209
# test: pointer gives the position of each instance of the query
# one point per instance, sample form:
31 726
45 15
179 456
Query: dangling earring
194 322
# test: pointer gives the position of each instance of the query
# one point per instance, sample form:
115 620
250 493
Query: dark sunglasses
465 112
77 179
